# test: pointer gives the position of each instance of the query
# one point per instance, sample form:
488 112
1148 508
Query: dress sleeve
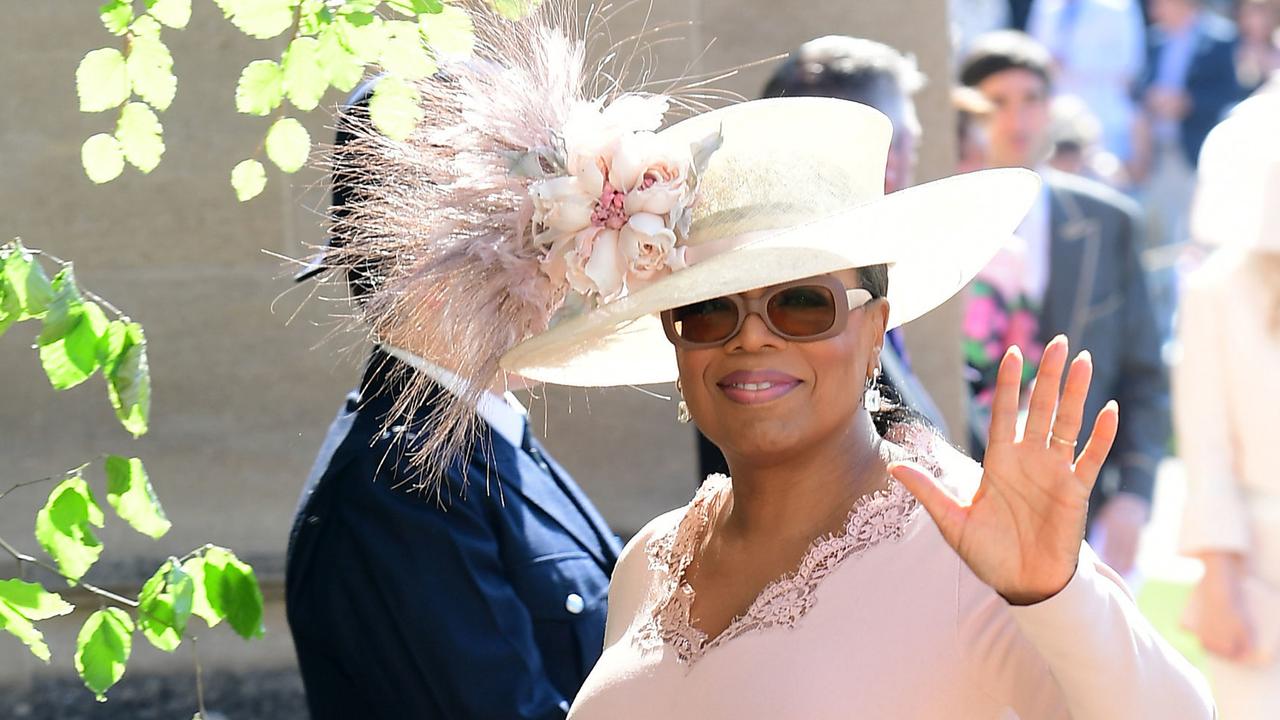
1088 648
1215 517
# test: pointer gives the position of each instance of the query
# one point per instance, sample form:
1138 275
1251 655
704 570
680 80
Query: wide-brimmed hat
795 189
1237 198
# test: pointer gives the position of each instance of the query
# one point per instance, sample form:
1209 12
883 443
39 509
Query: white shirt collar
1036 231
504 413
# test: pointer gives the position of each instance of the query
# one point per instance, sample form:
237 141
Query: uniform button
574 604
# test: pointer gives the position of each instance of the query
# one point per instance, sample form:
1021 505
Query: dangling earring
682 409
871 394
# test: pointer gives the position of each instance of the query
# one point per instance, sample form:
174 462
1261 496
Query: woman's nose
753 336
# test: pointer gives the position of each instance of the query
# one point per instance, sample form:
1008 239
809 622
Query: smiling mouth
756 391
750 386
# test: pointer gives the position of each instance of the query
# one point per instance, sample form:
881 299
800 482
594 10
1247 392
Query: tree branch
68 473
22 557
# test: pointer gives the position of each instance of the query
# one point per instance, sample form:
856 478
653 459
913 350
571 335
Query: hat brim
934 237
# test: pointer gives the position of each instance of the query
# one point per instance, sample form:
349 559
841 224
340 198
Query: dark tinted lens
803 311
708 321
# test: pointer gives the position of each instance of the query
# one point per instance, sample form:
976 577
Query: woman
565 240
1230 332
811 585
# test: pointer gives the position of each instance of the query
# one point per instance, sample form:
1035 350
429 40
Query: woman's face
763 398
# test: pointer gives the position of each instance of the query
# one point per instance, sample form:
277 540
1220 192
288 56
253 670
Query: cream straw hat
796 189
539 215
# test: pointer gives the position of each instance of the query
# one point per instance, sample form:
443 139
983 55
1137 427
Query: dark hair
848 68
1002 50
893 413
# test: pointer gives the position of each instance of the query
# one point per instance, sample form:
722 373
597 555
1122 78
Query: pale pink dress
881 621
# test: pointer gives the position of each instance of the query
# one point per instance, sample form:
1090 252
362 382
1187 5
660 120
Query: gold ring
1063 441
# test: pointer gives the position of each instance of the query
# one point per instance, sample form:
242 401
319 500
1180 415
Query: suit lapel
608 541
1073 256
518 472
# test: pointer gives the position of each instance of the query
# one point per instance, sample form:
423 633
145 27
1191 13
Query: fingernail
1014 350
1086 356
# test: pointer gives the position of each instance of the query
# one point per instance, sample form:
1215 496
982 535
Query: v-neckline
883 514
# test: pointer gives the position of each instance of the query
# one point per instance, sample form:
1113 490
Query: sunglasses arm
858 297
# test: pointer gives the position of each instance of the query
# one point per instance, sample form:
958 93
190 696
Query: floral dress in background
999 313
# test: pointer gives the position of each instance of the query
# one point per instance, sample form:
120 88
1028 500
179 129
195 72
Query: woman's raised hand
1021 532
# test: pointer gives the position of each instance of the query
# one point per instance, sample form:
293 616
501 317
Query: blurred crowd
1113 102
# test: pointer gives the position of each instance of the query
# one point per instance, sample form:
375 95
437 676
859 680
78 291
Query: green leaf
313 15
228 7
32 601
15 624
394 108
164 606
71 359
262 19
145 26
130 493
404 53
102 82
102 158
111 344
64 527
10 309
248 178
129 381
363 38
260 88
150 69
450 33
342 68
70 334
22 603
174 13
65 308
24 279
416 7
304 79
515 9
231 591
288 144
103 648
116 16
140 136
206 578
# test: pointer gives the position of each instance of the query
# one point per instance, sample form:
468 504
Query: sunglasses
801 311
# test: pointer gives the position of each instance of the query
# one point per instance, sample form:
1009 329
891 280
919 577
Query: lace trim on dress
783 602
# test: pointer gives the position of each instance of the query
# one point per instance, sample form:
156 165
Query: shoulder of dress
658 527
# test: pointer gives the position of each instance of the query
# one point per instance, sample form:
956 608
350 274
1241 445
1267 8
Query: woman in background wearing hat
1226 397
854 566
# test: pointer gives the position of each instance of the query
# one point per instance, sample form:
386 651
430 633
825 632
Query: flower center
609 212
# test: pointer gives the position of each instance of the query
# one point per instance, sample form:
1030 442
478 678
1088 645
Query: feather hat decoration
533 188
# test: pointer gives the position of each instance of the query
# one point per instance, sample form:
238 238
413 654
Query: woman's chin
760 443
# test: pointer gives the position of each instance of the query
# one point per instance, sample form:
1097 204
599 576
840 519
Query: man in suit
875 74
1190 80
1083 274
486 599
